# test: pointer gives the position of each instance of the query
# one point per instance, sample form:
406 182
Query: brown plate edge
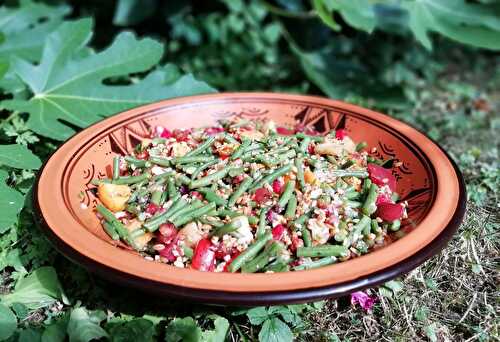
263 298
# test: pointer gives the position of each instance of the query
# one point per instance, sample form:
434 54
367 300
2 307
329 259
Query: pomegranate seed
262 195
278 232
340 134
278 186
152 208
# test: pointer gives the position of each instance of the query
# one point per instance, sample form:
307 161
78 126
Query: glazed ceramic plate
427 179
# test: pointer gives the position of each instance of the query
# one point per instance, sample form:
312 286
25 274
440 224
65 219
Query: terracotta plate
427 178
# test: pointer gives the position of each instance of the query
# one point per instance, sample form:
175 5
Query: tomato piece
310 148
284 131
262 195
381 176
152 208
383 198
238 179
390 212
204 256
340 134
166 134
142 155
181 135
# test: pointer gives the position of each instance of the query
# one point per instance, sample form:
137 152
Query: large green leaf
274 330
473 24
183 329
39 289
18 156
8 322
23 27
82 327
71 90
11 203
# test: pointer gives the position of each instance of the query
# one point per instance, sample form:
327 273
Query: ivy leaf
19 157
82 328
135 330
473 24
71 90
8 322
39 289
11 203
23 27
274 330
183 329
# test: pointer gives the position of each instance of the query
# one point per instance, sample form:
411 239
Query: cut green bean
211 196
244 185
172 190
316 138
271 177
186 209
207 180
194 159
291 207
229 227
116 168
241 149
261 260
111 231
299 164
202 147
136 162
194 214
322 251
369 206
262 222
160 161
395 225
287 193
316 264
349 173
131 179
361 146
250 252
156 197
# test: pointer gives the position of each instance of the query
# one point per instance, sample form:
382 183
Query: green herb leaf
56 332
68 89
274 330
29 335
39 289
11 203
19 157
8 322
135 330
82 327
183 329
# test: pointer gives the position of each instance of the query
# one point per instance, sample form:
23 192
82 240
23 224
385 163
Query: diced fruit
191 234
336 147
278 232
152 208
166 233
340 134
278 186
381 176
171 251
113 196
390 212
142 240
383 198
204 256
284 131
309 176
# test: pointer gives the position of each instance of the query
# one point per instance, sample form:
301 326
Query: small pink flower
363 299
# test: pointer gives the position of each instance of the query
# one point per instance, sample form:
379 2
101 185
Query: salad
248 196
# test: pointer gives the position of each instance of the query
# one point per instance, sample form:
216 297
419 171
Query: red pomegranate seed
310 148
278 232
152 208
168 251
278 186
390 211
238 179
340 134
383 198
166 134
142 155
213 130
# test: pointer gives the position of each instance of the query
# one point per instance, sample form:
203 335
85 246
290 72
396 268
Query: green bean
227 212
111 231
188 208
153 223
316 138
349 173
227 228
193 214
263 258
157 141
182 179
262 222
203 167
374 227
287 193
163 197
244 185
369 206
229 138
332 160
367 183
213 223
156 197
136 162
120 229
316 264
131 179
395 225
299 164
347 164
352 195
211 196
253 220
172 190
304 145
322 251
352 204
394 196
291 207
188 252
134 209
137 233
340 236
303 218
306 236
116 168
358 228
361 146
202 147
160 161
194 159
278 265
233 172
207 180
271 177
250 252
241 149
100 181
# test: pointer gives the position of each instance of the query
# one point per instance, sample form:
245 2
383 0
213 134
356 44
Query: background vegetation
431 63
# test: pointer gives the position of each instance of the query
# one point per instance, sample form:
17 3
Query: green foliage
183 329
19 157
39 289
134 330
11 203
8 322
84 327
